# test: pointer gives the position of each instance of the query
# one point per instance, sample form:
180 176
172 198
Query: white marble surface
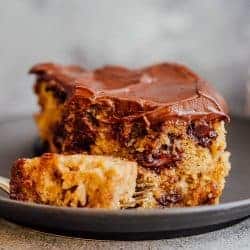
17 237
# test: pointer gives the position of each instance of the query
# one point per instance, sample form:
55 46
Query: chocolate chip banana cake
164 117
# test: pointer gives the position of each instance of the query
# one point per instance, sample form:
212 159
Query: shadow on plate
140 236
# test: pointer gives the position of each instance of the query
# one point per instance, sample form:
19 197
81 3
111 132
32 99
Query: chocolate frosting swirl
156 93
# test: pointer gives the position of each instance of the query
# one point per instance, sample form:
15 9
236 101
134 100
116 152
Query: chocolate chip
202 132
57 92
168 199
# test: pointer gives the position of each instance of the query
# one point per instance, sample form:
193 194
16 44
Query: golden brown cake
74 180
164 117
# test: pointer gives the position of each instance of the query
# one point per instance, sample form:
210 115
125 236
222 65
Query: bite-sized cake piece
74 180
164 117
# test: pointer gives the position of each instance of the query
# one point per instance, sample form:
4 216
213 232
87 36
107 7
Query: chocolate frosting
156 93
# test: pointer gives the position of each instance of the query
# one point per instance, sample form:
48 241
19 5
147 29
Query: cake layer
74 180
164 117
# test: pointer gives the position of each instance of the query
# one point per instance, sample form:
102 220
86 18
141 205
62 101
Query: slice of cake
74 180
164 117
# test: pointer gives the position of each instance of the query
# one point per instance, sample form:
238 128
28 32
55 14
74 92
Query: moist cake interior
74 180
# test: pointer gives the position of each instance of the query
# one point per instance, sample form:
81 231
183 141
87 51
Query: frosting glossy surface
157 92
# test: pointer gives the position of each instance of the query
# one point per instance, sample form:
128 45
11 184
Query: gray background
212 37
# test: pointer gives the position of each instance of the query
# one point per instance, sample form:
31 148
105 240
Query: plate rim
138 212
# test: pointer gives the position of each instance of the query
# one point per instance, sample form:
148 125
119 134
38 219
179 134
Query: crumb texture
74 180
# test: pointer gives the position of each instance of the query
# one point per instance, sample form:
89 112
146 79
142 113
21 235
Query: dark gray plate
17 140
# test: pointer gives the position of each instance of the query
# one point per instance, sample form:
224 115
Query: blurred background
212 37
